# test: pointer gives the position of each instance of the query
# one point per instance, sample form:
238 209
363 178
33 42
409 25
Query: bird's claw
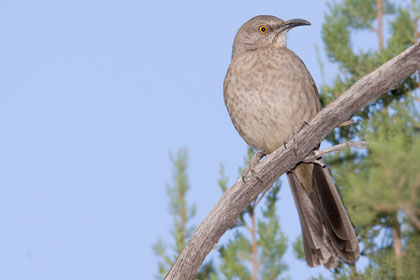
252 163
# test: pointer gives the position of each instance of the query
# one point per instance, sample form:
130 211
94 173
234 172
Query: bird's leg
293 135
252 163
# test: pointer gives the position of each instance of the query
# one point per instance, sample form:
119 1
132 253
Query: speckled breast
268 92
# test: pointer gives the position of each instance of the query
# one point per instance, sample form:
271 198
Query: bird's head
262 31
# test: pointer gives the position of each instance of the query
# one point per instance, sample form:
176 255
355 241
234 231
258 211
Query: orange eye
263 29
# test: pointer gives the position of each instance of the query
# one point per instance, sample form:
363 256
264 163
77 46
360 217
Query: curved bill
289 24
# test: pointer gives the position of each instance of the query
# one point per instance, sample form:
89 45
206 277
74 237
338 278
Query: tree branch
379 16
254 246
336 148
411 215
226 211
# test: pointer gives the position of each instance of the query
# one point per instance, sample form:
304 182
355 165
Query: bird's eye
263 29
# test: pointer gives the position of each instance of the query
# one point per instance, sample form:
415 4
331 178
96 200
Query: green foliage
181 214
380 190
380 186
298 248
178 208
379 178
272 241
207 272
165 261
410 262
236 255
402 30
344 19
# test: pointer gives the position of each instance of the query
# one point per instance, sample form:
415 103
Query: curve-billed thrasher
269 93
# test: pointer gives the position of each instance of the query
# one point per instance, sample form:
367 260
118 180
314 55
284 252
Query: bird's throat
280 39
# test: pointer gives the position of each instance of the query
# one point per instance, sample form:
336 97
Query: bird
269 93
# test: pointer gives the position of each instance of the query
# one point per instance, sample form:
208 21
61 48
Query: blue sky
93 97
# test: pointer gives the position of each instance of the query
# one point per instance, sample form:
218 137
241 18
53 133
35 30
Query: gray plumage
269 93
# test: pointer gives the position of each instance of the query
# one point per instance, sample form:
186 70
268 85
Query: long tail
326 228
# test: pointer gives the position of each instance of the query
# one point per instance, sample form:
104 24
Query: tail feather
326 228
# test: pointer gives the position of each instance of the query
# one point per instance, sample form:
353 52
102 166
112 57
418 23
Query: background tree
256 247
380 186
182 214
258 244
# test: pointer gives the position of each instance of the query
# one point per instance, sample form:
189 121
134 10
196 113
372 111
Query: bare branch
411 215
224 214
385 207
414 194
254 246
379 16
396 239
349 122
336 148
318 154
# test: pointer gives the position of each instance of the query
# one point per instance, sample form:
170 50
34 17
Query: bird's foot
293 136
252 163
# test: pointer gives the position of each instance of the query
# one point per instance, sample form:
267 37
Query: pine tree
182 214
258 244
380 186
